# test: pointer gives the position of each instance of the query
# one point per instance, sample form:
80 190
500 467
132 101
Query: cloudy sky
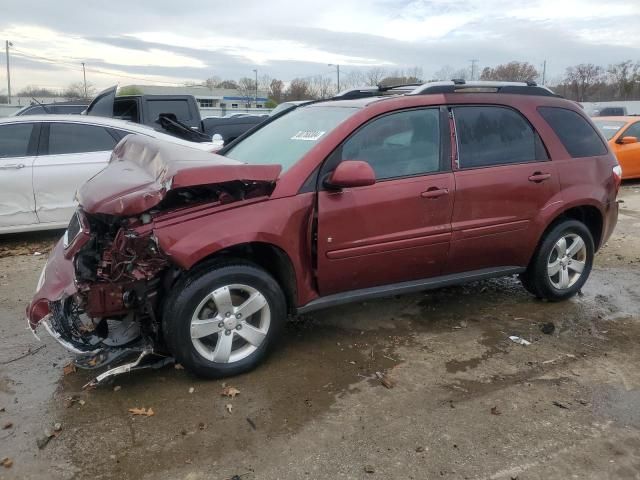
167 41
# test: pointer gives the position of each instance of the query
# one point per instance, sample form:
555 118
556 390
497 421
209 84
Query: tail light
617 177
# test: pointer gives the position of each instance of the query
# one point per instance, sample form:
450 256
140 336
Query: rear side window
578 137
495 136
76 138
14 139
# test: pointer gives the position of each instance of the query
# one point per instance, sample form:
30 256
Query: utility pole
473 68
544 72
255 70
84 75
8 44
337 72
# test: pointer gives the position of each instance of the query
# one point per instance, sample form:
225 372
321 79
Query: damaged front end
101 292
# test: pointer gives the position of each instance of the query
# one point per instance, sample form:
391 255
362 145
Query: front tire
562 263
224 321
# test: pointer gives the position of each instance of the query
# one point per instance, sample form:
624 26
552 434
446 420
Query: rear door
70 154
18 143
399 228
503 180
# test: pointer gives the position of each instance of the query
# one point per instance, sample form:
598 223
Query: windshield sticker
311 135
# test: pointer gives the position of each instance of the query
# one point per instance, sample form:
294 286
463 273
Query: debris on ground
72 400
69 368
369 469
142 411
548 328
229 391
6 462
519 340
26 354
48 435
385 380
7 426
419 449
229 408
560 405
57 427
495 411
250 422
462 324
117 388
191 390
177 366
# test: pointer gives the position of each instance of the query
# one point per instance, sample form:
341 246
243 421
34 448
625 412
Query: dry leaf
6 462
495 411
229 407
7 426
385 380
69 368
142 411
230 392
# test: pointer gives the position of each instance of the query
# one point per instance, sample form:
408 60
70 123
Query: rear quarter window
579 138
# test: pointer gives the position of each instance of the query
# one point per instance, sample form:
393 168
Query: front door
504 179
70 154
628 154
399 228
17 147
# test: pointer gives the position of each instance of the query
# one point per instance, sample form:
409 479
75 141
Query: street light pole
338 74
256 97
84 75
8 44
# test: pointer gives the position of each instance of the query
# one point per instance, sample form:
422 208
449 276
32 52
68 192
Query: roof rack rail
376 91
461 86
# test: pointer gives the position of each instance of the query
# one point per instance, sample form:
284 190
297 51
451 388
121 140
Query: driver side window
633 131
397 145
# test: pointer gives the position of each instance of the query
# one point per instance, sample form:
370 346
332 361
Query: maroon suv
376 192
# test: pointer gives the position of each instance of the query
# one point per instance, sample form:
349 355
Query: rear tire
224 321
562 262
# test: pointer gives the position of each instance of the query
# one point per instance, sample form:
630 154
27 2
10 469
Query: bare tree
321 87
374 76
212 82
510 72
583 79
353 79
276 90
247 88
76 91
299 89
228 84
447 72
624 76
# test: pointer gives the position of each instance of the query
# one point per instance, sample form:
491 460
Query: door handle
12 166
435 192
539 177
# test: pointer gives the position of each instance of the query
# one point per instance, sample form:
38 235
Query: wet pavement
466 402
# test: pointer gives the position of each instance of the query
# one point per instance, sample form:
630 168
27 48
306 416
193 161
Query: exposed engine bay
121 276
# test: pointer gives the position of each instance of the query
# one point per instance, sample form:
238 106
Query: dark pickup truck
178 115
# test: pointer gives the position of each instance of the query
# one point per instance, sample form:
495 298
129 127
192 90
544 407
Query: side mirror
351 173
628 140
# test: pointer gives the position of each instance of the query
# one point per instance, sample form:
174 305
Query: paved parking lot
466 401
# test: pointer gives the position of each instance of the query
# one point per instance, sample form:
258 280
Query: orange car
623 135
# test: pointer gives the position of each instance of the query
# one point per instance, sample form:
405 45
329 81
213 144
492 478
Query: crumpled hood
142 170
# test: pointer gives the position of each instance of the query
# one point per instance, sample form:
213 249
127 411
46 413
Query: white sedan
45 158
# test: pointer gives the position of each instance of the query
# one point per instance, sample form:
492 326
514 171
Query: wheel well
587 214
271 258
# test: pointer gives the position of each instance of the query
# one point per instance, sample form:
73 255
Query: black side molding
406 287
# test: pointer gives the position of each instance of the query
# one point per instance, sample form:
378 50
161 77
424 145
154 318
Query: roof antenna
41 104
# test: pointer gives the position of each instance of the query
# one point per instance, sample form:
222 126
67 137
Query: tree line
582 82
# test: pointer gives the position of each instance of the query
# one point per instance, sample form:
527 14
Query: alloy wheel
567 261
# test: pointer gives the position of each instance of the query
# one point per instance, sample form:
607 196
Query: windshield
285 140
280 108
609 127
